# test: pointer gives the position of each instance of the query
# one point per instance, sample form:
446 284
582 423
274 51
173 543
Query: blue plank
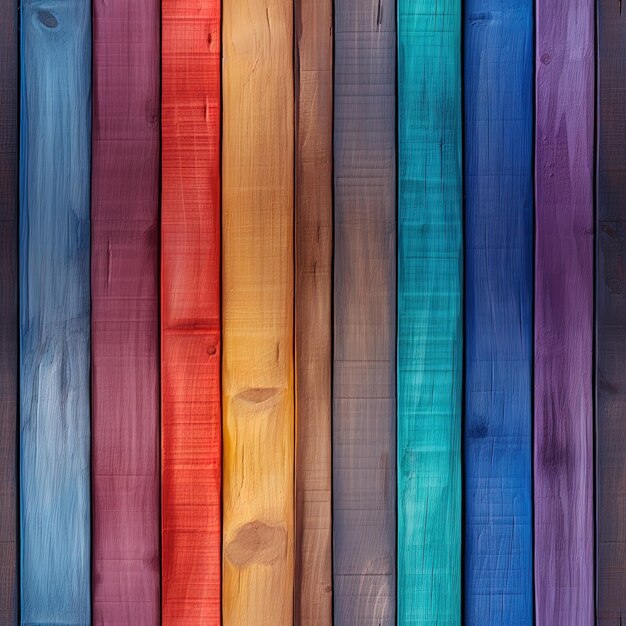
54 311
498 312
430 348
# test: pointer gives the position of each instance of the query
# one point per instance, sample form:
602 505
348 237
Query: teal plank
429 312
54 311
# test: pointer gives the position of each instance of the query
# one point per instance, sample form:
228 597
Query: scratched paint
498 583
54 311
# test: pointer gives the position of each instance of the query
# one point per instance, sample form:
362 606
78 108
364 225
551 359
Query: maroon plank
125 187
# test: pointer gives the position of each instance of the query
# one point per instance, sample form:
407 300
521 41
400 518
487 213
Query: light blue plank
429 313
54 311
498 312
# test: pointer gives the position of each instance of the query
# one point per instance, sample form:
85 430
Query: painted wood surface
190 313
610 315
55 311
9 138
563 416
125 312
258 304
313 315
364 387
498 579
430 274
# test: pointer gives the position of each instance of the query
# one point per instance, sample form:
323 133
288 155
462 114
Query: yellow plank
258 367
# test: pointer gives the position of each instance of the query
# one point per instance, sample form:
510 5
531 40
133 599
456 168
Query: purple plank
564 314
9 136
125 192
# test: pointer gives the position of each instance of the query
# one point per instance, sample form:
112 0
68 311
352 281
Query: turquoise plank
54 311
498 66
430 350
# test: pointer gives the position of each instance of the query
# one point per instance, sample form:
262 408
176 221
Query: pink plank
564 314
125 386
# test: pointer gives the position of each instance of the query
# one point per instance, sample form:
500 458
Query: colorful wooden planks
563 419
125 313
190 313
498 579
54 311
313 316
364 405
430 354
258 279
610 315
9 138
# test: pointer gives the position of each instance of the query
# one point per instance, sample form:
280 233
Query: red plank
190 312
124 270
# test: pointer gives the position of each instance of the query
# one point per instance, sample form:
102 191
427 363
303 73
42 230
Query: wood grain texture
364 385
125 313
55 311
498 578
9 138
610 300
430 348
258 283
563 417
190 313
313 315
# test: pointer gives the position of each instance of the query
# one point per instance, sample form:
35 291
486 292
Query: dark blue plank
498 312
54 311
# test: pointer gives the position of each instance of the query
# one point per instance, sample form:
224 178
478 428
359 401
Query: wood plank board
125 313
258 303
498 577
430 346
563 418
610 301
190 313
55 311
313 314
9 138
364 380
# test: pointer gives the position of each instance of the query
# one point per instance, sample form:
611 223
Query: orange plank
258 365
190 312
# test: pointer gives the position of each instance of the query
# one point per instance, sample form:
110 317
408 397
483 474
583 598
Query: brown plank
9 136
364 403
314 217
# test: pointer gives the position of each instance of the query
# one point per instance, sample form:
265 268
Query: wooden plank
498 578
125 312
430 350
610 301
190 313
364 385
55 311
313 314
258 279
563 419
9 138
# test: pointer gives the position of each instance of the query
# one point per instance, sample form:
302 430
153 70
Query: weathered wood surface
125 312
258 286
9 137
611 317
430 354
364 404
563 416
313 315
498 578
54 311
190 313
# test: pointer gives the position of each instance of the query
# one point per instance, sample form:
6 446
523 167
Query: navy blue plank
498 312
54 311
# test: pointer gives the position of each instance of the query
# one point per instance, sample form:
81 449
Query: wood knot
257 542
47 19
257 395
